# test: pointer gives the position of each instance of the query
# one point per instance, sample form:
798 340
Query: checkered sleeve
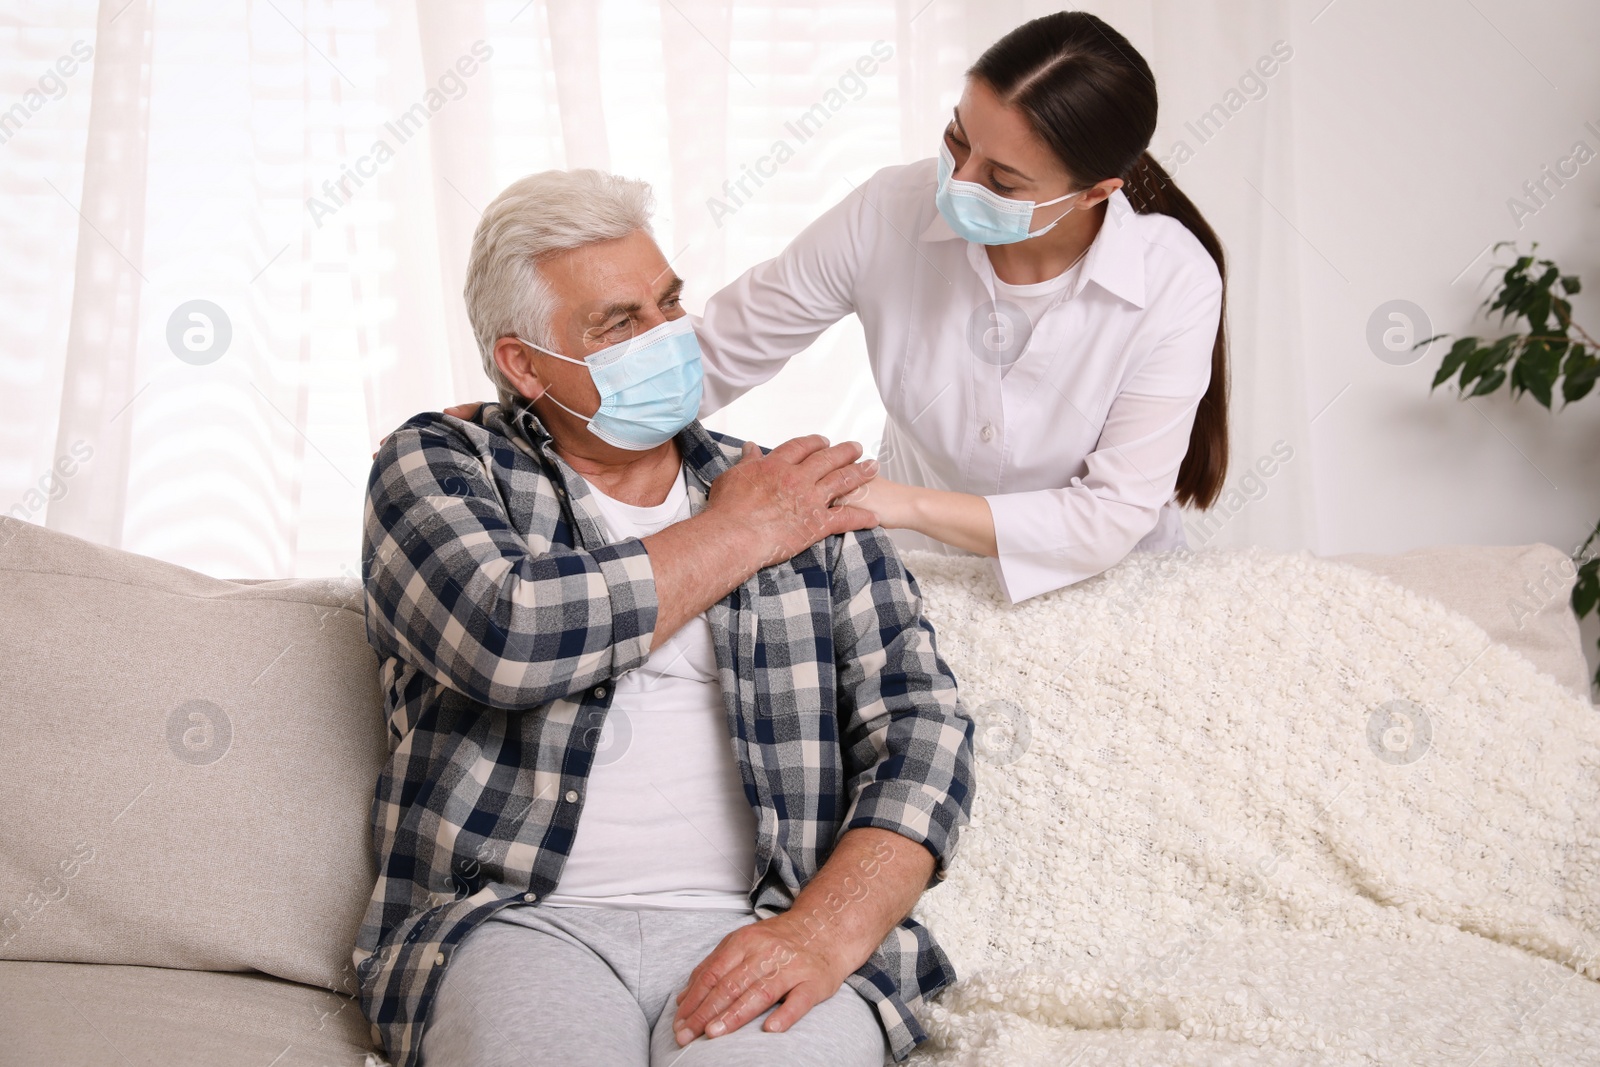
453 589
907 741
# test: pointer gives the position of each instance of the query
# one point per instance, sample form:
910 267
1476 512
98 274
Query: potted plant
1546 352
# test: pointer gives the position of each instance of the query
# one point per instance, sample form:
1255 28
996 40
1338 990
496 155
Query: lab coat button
987 433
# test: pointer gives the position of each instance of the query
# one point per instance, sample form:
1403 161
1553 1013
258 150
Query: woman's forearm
960 520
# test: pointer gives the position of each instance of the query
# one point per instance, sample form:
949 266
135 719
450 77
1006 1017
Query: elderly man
673 751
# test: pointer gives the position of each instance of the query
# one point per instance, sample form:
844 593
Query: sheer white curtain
236 233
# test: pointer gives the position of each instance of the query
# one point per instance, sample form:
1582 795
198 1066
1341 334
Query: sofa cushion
186 764
89 1015
1520 594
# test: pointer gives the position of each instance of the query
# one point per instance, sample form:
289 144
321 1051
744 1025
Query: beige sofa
186 771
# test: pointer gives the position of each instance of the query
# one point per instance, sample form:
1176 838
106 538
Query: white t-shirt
666 823
1033 299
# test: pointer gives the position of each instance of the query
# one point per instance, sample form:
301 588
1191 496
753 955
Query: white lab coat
1076 446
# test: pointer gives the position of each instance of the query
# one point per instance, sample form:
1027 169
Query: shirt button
987 433
438 959
599 691
572 796
530 897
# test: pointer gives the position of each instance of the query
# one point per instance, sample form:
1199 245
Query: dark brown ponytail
1091 97
1151 191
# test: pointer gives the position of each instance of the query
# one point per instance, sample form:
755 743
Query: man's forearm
870 882
696 563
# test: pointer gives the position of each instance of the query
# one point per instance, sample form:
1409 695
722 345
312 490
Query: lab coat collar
1116 255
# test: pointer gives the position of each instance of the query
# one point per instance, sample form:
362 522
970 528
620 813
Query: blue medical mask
982 215
649 386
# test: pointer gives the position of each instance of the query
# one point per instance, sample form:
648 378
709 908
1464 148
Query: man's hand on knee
871 879
752 969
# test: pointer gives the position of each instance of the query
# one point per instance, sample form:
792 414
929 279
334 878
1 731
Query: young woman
1043 313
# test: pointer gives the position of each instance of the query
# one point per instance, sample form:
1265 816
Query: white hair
533 218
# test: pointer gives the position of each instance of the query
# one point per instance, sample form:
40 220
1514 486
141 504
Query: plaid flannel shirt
500 615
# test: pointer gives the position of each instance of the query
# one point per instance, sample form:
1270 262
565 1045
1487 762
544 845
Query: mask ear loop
1064 214
547 393
546 351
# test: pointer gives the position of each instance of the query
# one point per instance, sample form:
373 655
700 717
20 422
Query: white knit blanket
1246 808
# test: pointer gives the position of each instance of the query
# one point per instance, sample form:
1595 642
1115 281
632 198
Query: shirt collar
1116 255
702 454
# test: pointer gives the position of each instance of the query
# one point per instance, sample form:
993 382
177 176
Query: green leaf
1586 591
1453 361
1491 381
1570 284
1563 313
1473 367
1484 360
1538 367
1519 378
1537 311
1513 291
1579 374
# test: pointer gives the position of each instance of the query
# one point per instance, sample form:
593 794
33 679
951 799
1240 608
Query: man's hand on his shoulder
785 498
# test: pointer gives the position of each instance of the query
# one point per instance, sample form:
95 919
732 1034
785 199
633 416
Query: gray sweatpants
573 987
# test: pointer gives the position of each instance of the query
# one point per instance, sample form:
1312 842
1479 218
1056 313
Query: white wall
1415 124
